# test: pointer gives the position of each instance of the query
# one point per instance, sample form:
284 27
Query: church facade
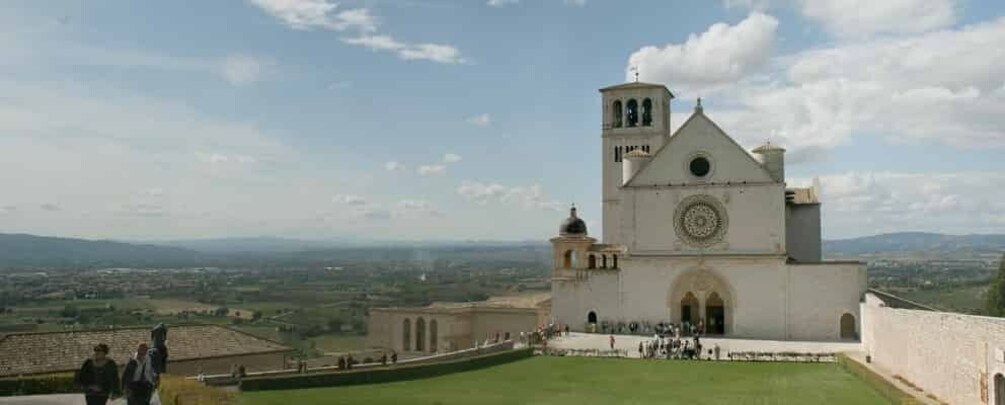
696 229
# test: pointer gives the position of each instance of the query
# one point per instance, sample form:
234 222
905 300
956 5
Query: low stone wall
954 357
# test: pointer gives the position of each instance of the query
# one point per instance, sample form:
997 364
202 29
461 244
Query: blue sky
436 119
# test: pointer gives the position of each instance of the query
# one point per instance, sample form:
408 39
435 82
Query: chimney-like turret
633 162
773 159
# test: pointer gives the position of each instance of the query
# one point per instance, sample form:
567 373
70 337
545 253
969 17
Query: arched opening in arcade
420 334
848 326
433 336
715 314
406 335
999 389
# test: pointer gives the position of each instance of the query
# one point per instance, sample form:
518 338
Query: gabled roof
53 352
683 129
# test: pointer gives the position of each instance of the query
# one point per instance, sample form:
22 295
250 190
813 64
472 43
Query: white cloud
722 54
394 166
409 207
481 120
452 158
407 51
351 200
862 18
904 89
432 170
49 207
241 69
858 203
502 3
529 197
311 14
578 3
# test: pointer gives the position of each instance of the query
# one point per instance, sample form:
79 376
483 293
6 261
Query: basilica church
698 229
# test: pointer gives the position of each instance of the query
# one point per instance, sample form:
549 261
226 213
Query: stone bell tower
634 116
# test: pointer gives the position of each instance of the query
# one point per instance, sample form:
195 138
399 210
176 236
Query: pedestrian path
630 343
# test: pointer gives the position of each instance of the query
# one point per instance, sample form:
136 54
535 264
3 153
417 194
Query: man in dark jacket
139 378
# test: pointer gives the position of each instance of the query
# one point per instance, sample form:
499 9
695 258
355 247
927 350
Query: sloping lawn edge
381 375
889 391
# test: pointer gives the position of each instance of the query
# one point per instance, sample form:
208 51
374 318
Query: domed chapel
696 229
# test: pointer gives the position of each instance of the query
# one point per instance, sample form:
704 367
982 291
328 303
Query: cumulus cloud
451 158
481 120
722 54
862 18
432 170
962 202
351 200
439 53
899 88
525 197
394 166
317 14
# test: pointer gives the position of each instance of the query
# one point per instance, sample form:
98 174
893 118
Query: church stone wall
765 298
953 356
755 214
802 232
819 295
572 300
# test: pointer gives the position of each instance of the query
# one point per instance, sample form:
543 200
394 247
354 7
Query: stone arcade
696 228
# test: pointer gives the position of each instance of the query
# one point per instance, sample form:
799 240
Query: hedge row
40 384
380 375
877 382
175 390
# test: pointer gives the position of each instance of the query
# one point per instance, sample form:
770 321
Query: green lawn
578 380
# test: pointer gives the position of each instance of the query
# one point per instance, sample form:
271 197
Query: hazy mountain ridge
28 251
919 242
23 250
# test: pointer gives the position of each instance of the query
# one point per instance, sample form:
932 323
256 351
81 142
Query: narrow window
633 113
647 113
616 114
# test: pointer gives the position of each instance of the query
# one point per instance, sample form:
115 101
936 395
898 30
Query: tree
996 294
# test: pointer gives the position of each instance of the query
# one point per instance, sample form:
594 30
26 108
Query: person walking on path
139 378
612 342
99 377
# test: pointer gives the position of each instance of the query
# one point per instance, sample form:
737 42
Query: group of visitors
100 379
685 328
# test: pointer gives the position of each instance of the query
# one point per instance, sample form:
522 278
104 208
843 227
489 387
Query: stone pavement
726 345
56 399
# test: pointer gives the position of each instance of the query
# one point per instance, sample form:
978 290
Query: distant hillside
921 242
26 251
255 245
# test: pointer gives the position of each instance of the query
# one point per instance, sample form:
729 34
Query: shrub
38 384
175 390
382 374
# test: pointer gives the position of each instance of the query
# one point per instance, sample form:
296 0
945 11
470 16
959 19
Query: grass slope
577 380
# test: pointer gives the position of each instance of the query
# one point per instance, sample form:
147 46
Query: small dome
572 225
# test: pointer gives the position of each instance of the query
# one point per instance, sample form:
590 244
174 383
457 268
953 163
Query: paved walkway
57 399
726 345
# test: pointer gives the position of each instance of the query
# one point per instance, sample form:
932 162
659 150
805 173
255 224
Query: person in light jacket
139 378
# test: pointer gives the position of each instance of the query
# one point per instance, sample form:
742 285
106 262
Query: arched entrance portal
689 309
702 296
999 389
715 314
847 326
